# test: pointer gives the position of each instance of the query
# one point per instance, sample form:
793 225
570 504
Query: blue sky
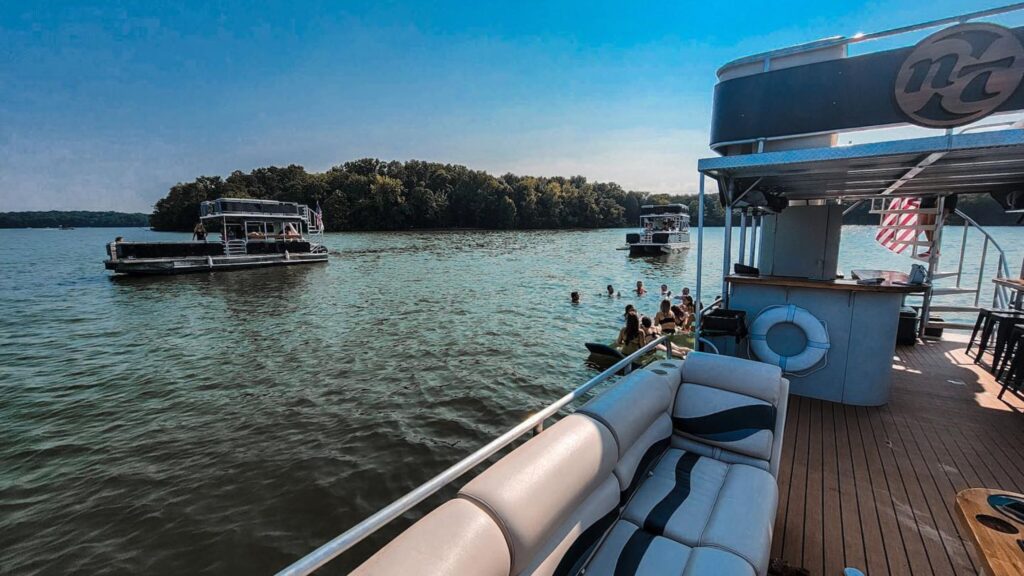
105 105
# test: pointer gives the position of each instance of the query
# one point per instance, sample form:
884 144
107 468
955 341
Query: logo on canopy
959 75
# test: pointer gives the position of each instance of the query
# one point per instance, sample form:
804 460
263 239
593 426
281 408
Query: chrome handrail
1002 270
339 544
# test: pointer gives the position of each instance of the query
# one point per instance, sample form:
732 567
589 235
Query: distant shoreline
73 219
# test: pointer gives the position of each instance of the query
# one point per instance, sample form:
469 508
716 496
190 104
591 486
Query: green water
228 423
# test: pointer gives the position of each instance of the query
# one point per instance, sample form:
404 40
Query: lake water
229 423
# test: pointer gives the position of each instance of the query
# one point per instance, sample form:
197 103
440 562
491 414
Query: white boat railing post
727 249
700 259
743 237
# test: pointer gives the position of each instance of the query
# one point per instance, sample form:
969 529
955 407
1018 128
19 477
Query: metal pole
933 259
755 225
700 257
981 271
963 247
743 236
727 251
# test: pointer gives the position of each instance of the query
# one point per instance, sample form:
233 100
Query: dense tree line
77 219
369 194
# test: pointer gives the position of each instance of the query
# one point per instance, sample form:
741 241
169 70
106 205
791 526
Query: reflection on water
229 422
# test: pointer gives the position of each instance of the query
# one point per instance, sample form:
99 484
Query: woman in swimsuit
665 318
631 338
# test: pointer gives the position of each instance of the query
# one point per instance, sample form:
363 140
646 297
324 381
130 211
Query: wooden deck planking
874 488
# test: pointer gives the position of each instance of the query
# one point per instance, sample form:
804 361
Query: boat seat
457 538
608 490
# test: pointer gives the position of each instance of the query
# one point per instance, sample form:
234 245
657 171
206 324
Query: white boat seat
699 501
609 489
456 539
629 549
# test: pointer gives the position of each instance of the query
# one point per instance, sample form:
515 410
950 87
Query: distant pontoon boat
253 233
664 228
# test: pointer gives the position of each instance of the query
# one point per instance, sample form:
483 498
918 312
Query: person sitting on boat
665 319
650 330
630 309
679 313
574 297
255 235
290 233
199 232
640 290
631 338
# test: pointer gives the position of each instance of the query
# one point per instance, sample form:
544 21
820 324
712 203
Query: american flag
318 217
897 239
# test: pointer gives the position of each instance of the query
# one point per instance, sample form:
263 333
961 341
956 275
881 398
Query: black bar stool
998 321
1011 372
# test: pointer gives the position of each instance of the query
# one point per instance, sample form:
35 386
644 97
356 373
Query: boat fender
814 331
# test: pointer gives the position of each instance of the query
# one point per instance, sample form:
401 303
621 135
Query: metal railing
332 549
1001 296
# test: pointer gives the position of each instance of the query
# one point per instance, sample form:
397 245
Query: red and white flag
897 239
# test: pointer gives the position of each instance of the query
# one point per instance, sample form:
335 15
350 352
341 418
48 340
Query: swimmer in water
665 292
611 291
575 297
640 290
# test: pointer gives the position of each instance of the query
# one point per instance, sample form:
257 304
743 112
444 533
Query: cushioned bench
671 471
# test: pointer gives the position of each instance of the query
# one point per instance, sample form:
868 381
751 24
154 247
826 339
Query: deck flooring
873 488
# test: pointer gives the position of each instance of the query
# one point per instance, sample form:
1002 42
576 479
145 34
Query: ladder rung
906 211
945 291
919 227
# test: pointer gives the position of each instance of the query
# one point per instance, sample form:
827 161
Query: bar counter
861 321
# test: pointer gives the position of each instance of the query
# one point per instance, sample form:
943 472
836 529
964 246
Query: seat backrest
636 411
546 494
732 404
456 539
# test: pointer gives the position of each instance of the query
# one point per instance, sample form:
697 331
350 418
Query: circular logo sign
959 75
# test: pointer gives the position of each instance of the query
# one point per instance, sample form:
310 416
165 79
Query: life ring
814 331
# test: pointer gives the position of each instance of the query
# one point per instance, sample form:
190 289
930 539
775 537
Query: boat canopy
966 163
252 208
663 209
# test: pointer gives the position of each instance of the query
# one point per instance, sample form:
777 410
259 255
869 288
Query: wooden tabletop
846 285
1013 283
996 535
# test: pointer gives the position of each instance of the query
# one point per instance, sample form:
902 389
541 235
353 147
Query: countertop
889 285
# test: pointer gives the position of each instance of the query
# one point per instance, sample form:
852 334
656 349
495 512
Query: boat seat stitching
497 520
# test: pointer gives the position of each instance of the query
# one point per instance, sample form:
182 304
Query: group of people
670 319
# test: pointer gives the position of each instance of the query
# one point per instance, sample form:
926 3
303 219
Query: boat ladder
922 250
235 248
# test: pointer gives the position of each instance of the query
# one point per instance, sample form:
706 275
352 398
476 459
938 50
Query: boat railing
335 547
1001 296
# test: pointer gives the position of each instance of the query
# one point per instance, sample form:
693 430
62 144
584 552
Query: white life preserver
814 331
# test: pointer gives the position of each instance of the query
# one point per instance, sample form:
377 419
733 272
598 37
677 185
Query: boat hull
655 249
187 265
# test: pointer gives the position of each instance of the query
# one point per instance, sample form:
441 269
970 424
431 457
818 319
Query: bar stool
1011 372
990 320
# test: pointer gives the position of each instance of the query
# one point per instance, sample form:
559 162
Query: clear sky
105 105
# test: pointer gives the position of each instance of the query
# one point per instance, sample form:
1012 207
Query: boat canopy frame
935 166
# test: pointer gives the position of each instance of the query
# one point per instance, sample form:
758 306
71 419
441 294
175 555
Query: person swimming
640 290
631 338
665 319
575 297
611 291
665 292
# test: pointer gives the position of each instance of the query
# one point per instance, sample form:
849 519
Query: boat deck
874 488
